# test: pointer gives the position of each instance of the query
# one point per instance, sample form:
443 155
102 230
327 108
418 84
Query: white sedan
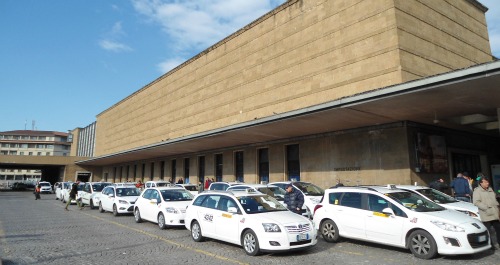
256 221
165 206
118 199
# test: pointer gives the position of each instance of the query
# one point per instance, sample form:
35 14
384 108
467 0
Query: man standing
72 196
461 188
438 185
294 199
485 200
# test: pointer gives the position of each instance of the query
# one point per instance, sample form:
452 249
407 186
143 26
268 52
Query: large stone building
368 92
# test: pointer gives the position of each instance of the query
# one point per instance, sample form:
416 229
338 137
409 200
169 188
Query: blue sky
63 62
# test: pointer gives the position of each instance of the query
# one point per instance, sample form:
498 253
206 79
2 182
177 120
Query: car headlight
123 202
270 227
469 213
171 210
448 227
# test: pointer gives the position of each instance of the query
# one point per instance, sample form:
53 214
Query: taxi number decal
380 214
209 217
227 215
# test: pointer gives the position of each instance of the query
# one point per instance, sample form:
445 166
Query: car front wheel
161 221
91 203
196 232
329 231
422 244
115 210
250 243
101 210
137 215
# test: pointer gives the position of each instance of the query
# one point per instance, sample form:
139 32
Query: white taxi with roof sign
399 218
256 221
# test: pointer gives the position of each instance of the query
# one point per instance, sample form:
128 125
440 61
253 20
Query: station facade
365 92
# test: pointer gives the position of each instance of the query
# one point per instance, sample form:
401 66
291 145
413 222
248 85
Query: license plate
302 237
481 238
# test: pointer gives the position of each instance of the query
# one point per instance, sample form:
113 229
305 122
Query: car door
206 213
107 198
151 207
86 193
350 215
227 224
380 227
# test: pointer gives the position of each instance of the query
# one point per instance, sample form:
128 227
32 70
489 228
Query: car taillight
317 207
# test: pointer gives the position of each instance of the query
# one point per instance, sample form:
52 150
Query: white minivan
312 194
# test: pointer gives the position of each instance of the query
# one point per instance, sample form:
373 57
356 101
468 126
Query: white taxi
399 218
91 193
118 199
165 206
256 221
65 192
443 199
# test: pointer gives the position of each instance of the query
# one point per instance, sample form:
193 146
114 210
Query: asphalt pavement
41 232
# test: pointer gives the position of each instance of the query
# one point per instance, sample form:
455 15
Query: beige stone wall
306 53
440 36
74 144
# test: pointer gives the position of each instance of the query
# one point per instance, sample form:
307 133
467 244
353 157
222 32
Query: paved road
41 232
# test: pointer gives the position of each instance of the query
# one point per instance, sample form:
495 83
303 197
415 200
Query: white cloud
113 46
110 41
170 64
194 25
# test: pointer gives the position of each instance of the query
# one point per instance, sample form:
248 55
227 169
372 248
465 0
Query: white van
312 194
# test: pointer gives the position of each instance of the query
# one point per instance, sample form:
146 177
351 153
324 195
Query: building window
152 175
30 153
293 162
21 153
47 154
40 146
24 145
238 166
201 169
186 170
174 170
42 138
13 153
162 170
218 167
39 154
263 165
143 172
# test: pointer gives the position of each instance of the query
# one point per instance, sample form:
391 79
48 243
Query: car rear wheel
251 243
196 232
329 231
115 210
161 221
91 204
422 244
137 215
101 210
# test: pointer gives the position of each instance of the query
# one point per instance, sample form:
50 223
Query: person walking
72 196
461 188
294 199
485 199
37 192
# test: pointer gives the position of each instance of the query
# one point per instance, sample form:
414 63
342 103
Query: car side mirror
155 201
232 210
111 195
388 211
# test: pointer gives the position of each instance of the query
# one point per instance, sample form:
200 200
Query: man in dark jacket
293 199
72 196
438 185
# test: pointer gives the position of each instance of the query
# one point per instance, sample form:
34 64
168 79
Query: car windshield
176 195
124 192
260 204
44 184
99 186
80 186
309 189
415 202
162 184
275 192
437 196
